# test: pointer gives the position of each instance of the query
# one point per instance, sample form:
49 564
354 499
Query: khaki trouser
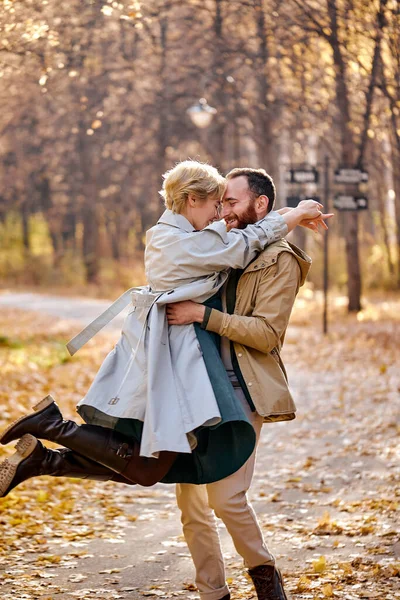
228 499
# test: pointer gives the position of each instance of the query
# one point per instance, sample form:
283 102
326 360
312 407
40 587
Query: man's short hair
260 183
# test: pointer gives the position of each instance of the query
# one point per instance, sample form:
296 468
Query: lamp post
201 113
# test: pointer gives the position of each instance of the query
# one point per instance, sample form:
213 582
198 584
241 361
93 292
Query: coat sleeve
215 249
275 297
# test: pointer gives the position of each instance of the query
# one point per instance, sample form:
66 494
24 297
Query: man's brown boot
268 582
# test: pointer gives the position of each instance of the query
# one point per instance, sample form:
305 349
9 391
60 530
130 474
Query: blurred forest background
94 98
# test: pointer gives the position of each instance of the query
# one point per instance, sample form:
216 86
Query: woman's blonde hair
190 177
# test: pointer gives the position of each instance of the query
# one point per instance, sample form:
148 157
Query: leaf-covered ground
326 488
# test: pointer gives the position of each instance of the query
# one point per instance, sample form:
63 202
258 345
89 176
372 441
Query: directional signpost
293 201
345 202
307 175
345 175
351 199
351 178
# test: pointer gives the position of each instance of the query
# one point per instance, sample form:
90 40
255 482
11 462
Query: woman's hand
184 313
317 224
308 213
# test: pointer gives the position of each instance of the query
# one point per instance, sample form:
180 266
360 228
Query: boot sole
281 582
39 407
8 468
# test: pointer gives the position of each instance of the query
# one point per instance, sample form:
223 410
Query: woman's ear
192 200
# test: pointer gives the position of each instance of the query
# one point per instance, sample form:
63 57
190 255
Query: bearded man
257 303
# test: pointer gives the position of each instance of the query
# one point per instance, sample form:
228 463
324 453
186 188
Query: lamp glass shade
201 114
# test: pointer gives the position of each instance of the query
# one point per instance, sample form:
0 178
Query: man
257 305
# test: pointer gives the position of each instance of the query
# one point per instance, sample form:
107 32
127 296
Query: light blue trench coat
156 373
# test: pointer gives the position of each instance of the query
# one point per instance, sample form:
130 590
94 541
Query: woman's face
201 213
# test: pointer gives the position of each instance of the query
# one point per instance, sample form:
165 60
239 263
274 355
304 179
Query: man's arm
275 297
262 331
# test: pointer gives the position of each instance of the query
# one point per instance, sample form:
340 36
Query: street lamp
201 113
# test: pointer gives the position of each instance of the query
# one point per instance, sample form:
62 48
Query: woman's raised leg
105 446
32 459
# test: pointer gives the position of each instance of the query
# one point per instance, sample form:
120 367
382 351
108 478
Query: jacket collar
270 255
176 220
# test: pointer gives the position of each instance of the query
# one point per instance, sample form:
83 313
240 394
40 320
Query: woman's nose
225 210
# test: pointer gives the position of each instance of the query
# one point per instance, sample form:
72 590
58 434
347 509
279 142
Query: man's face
238 206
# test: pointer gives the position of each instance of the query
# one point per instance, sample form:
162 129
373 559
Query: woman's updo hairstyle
191 177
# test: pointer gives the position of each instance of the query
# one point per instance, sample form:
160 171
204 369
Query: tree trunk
90 241
89 209
217 147
396 186
385 231
262 119
25 227
113 227
163 97
376 62
348 146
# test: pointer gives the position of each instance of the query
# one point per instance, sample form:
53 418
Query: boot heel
8 468
25 446
43 403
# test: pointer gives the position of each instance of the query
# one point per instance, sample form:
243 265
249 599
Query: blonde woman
157 410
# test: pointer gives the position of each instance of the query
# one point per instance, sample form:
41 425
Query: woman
155 411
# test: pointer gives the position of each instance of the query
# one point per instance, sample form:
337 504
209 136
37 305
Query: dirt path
326 485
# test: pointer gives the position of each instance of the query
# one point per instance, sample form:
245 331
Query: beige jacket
265 295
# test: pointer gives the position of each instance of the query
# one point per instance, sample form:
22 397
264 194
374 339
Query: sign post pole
326 247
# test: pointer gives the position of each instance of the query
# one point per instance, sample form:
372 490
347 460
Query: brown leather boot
268 582
99 444
32 459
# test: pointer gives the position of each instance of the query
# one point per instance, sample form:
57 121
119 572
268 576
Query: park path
305 469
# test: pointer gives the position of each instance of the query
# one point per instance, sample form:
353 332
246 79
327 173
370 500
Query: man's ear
262 203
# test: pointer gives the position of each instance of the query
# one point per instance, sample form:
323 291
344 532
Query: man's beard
248 217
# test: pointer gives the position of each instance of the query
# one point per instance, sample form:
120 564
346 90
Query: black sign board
293 201
345 175
302 176
343 202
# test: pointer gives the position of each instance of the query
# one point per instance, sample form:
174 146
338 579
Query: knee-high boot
32 459
105 446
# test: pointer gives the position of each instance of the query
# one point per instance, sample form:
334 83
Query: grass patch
45 355
7 342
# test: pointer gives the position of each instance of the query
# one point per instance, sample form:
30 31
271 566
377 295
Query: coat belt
140 297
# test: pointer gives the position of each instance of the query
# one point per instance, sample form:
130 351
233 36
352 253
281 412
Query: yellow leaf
325 519
303 584
42 496
346 568
319 565
327 590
